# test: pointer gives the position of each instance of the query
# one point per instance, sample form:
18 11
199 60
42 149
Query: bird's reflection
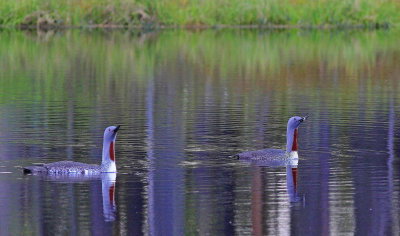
257 188
291 164
108 193
108 181
291 180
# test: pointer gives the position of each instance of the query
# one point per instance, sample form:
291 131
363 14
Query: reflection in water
189 101
258 194
291 182
291 164
108 181
165 141
108 193
57 205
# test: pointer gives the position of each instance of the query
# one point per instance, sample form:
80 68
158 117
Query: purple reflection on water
187 102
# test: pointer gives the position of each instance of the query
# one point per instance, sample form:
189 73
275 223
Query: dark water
187 101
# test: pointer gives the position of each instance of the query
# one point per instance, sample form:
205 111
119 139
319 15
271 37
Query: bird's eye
109 129
294 118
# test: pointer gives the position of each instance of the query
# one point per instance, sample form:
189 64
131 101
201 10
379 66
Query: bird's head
111 133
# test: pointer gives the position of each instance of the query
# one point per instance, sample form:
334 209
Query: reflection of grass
49 62
341 13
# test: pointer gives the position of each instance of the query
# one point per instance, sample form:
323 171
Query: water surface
187 101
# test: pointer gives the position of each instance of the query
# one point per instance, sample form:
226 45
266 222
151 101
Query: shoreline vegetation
154 14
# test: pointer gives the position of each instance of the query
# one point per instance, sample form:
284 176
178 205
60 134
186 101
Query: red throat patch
294 173
294 145
111 194
112 153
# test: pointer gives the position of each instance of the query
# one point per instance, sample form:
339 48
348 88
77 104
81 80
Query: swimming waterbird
64 167
278 155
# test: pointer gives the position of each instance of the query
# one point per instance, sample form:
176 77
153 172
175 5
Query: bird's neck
108 153
291 140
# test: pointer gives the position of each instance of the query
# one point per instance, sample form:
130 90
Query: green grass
199 13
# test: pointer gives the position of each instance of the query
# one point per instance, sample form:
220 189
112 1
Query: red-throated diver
278 154
65 167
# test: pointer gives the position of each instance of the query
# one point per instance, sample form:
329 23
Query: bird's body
70 167
268 157
263 154
64 167
277 156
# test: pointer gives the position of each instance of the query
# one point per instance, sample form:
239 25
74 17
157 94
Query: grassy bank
199 13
